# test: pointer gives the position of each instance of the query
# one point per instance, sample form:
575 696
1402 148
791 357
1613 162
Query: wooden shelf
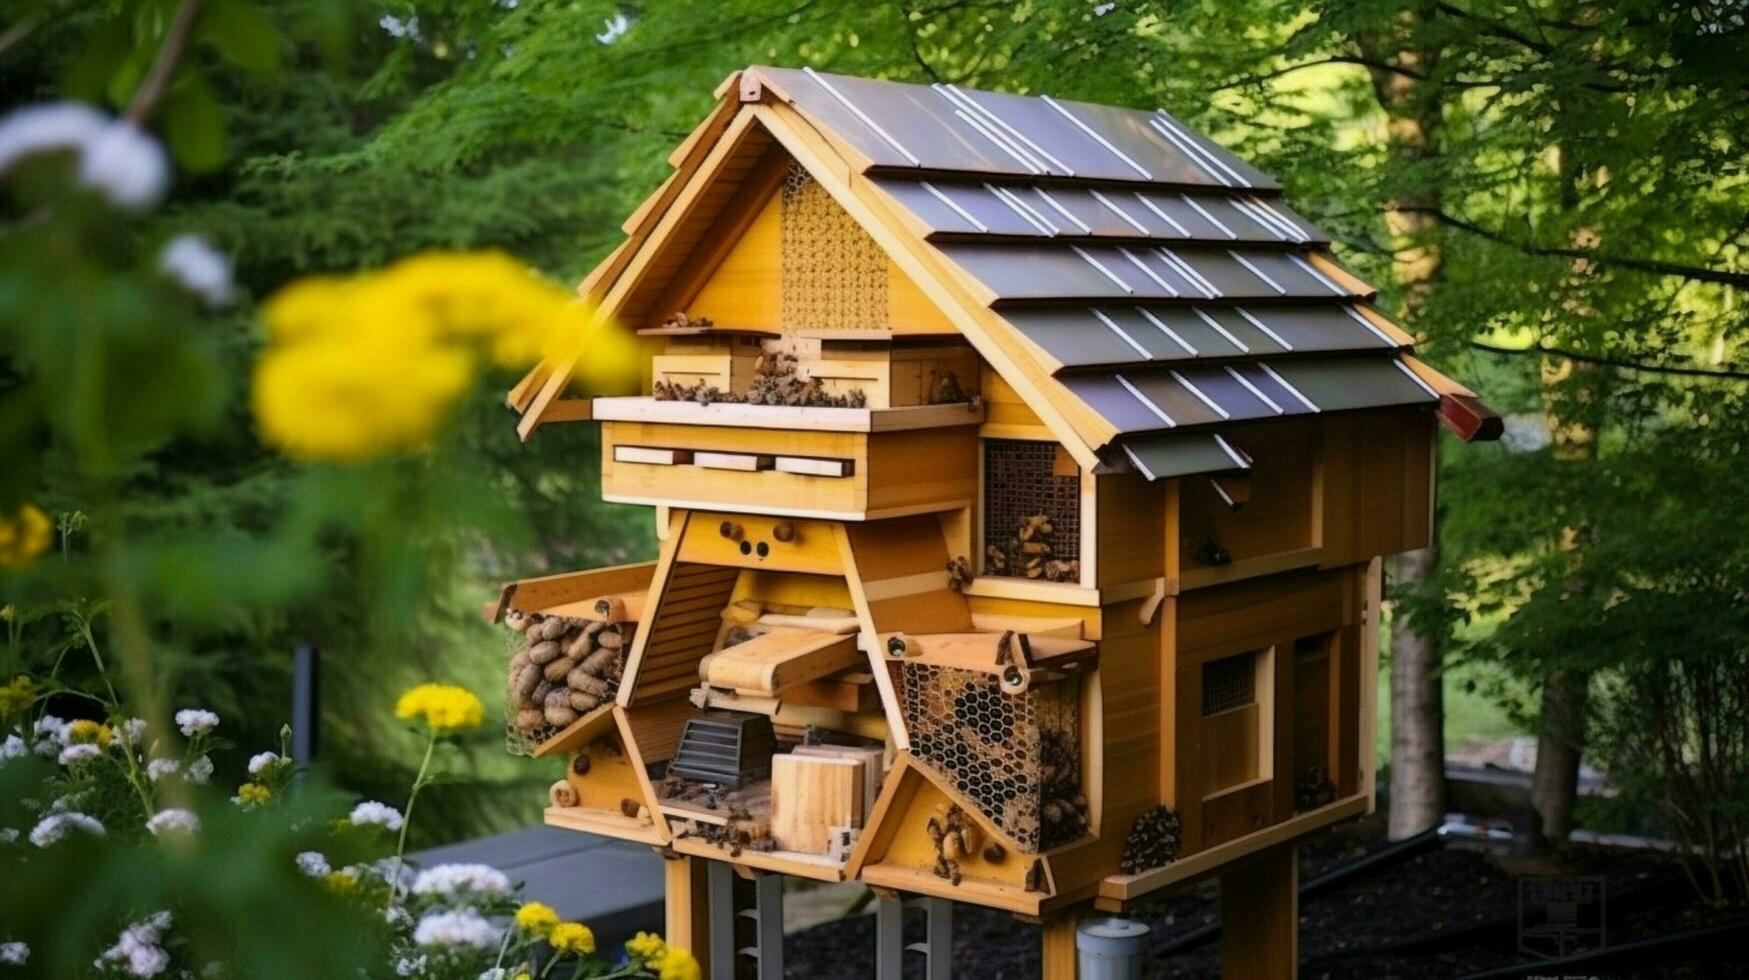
604 823
815 866
1031 590
977 651
906 879
644 408
1196 577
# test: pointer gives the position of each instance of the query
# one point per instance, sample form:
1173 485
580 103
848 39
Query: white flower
398 917
313 864
370 813
131 731
51 729
8 835
448 879
406 967
137 949
43 128
173 821
198 268
464 928
396 27
126 165
496 973
56 826
12 748
84 752
199 771
194 721
14 954
159 768
261 761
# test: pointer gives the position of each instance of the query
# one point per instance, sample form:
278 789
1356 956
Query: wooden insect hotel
1021 471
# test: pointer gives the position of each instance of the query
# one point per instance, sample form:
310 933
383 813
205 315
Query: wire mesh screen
1016 756
834 275
1228 683
1022 481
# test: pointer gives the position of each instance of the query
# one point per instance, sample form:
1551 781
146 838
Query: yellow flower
374 364
646 946
24 536
88 732
254 794
536 918
16 695
445 707
340 882
572 937
678 964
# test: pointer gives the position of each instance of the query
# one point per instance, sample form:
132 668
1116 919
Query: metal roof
1162 278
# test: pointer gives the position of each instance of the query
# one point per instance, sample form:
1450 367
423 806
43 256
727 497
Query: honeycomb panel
1016 756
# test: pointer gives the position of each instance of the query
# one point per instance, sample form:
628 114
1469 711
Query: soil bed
1445 913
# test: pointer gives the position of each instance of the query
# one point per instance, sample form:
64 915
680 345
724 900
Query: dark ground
1446 913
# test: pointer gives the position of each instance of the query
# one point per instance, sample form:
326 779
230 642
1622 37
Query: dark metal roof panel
897 124
1154 398
1066 271
1168 455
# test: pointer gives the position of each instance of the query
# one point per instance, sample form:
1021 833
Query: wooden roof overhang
1137 285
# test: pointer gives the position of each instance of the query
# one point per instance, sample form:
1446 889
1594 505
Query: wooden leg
688 923
1260 917
1059 960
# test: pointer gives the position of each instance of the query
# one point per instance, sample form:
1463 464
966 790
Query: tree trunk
1559 745
1413 114
1417 715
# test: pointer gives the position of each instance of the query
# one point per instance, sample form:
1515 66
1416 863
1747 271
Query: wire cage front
1017 757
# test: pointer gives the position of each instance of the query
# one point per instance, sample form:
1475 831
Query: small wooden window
1229 683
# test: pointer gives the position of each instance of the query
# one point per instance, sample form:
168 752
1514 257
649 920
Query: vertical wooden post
688 925
1059 959
1260 917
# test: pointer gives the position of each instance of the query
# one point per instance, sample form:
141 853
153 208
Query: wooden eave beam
1459 409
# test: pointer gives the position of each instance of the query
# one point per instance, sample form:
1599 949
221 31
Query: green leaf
242 35
193 125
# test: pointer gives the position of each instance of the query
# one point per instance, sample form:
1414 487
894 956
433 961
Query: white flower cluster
370 813
132 731
159 768
408 966
82 752
199 771
465 928
195 721
198 268
14 954
173 820
453 879
138 951
51 735
115 157
263 761
313 864
12 748
55 827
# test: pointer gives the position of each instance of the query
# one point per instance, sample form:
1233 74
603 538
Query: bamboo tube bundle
563 667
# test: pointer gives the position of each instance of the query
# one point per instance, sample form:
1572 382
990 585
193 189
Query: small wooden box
809 796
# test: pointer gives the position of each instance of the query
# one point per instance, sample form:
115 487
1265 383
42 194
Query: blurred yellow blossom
254 794
88 732
373 364
677 964
16 695
445 707
536 918
646 946
23 536
340 882
572 937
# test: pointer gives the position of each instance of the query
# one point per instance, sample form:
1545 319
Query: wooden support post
1059 961
687 907
768 912
938 935
1260 917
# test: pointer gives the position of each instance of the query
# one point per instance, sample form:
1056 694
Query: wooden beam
1058 959
688 908
1260 917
